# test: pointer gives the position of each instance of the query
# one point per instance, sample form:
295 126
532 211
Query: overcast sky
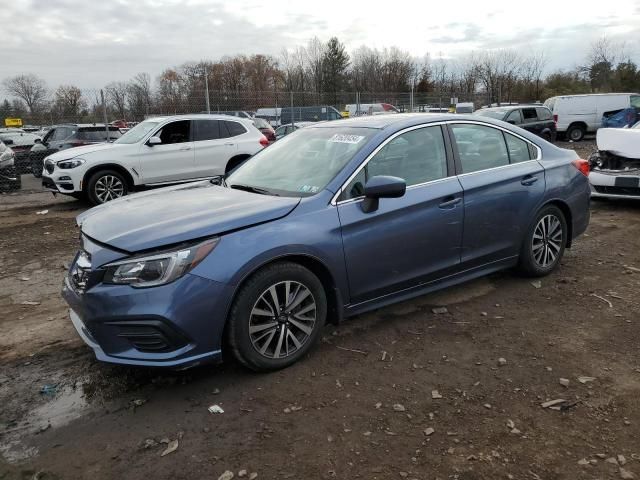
89 43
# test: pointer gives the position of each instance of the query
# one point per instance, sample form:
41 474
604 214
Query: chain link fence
86 114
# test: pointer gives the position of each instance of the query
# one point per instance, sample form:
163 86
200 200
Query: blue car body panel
437 234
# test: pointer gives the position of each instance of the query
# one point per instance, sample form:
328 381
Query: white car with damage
615 167
159 151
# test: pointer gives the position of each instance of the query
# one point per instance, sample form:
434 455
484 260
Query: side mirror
154 141
382 186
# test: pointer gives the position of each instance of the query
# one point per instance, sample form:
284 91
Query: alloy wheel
282 319
547 241
109 187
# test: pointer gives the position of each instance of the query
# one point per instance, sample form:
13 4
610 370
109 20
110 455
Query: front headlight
157 269
67 164
7 159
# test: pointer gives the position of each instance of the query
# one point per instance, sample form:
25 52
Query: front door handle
450 202
184 149
529 180
229 144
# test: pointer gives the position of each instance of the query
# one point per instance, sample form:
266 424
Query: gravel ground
401 392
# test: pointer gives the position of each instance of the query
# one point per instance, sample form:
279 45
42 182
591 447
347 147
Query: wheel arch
313 264
108 166
568 217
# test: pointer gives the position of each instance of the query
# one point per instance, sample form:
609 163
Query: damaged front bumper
613 176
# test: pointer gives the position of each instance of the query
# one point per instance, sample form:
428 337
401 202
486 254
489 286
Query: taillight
582 166
264 141
555 119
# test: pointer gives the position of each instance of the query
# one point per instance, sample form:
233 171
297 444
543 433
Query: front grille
627 191
49 166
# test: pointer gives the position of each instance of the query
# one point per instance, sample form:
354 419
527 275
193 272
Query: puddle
68 404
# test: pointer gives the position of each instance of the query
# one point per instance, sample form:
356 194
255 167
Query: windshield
302 163
497 114
138 132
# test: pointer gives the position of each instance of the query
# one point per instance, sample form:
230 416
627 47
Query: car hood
177 214
84 150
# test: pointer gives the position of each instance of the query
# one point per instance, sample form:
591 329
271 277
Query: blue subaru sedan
333 220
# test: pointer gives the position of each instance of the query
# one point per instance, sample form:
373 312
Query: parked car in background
357 109
308 114
265 128
536 119
576 115
70 135
158 151
9 176
235 113
21 143
615 167
465 107
335 220
284 130
271 115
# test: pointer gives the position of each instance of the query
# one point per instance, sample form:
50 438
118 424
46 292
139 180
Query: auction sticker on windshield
342 138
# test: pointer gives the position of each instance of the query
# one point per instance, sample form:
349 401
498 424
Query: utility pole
104 113
292 112
206 88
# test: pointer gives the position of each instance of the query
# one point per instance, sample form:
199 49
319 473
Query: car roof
397 120
199 116
81 125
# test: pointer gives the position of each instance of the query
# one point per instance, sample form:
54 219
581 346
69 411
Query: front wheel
106 185
544 243
276 317
575 133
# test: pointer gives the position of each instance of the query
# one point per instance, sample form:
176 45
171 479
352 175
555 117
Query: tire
541 252
105 185
575 133
256 337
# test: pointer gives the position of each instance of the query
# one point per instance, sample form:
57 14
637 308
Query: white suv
158 151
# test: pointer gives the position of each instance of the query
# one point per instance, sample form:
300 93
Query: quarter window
235 129
417 156
518 149
479 147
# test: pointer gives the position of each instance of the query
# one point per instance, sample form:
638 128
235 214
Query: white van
576 115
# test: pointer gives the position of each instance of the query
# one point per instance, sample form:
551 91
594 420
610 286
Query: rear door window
479 147
529 115
97 134
207 130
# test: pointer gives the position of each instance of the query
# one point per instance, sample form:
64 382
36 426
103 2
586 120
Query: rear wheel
276 317
576 133
106 185
544 243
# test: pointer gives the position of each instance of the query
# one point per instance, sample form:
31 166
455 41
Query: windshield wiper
249 188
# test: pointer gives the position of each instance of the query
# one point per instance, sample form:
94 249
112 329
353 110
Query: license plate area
627 182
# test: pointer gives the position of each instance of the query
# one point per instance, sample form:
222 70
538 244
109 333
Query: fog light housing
65 178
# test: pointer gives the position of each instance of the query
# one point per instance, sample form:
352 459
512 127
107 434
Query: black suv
536 119
61 137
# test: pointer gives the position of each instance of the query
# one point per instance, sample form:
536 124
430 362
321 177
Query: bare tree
139 95
117 96
28 88
69 101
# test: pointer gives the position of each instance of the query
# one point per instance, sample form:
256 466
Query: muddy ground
362 405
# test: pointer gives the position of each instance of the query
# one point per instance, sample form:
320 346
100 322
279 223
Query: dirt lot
362 405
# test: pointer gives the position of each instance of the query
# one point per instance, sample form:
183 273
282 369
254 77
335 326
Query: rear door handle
529 180
450 202
229 144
